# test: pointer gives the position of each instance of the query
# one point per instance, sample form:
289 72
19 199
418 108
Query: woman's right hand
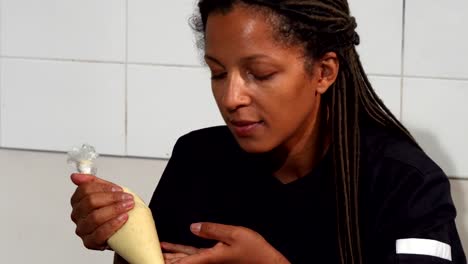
99 209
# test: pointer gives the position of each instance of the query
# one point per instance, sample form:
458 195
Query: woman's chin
253 146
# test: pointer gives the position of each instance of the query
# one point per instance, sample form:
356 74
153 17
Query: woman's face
261 87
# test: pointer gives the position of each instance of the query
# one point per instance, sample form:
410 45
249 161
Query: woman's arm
416 218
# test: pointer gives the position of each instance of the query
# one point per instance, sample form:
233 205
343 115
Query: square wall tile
163 104
436 113
160 33
77 29
49 105
389 90
436 38
380 26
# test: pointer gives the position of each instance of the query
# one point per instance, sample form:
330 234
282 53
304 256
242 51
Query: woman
312 167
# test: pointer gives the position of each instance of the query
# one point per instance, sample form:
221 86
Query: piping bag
137 240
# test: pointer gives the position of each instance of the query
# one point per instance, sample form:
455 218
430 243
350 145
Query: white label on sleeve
426 247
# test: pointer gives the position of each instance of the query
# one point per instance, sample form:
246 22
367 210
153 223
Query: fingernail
122 217
127 197
116 189
196 227
128 204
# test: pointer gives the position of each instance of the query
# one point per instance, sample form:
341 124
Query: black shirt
404 196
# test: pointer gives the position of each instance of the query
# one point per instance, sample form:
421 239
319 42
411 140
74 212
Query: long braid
339 231
323 26
345 149
333 22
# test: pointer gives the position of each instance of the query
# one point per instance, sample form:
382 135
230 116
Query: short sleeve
415 220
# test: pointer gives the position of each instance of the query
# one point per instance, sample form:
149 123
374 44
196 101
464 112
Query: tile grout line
454 178
436 78
457 178
1 76
126 80
98 61
402 73
60 59
45 151
166 65
203 67
383 75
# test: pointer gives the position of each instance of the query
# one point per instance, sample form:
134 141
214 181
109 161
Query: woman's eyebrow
254 57
242 60
211 58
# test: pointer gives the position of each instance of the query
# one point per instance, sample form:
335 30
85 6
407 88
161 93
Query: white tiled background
125 76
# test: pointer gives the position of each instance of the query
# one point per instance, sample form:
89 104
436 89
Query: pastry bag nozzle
83 159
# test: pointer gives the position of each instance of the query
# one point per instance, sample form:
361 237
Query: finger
98 238
207 256
173 260
224 233
95 201
174 255
100 216
177 248
80 178
93 186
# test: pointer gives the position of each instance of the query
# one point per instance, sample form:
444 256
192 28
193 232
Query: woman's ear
328 68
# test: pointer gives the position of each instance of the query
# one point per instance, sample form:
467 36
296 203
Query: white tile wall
43 102
165 103
1 94
389 90
160 33
436 38
56 105
460 198
78 29
436 112
380 28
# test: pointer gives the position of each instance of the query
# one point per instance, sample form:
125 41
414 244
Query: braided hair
322 26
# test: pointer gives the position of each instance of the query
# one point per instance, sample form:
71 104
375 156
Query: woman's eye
218 76
262 77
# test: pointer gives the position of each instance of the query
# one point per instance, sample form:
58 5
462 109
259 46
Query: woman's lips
245 128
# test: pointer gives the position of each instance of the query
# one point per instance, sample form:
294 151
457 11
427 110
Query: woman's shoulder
386 148
396 171
209 133
210 142
208 137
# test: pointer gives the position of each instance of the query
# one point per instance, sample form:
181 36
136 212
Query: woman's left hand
236 245
176 252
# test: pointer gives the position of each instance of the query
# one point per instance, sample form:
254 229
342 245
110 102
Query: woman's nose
235 93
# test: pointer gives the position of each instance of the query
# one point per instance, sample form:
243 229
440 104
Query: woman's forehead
238 27
244 33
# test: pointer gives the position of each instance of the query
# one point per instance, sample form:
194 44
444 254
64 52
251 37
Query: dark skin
252 75
99 209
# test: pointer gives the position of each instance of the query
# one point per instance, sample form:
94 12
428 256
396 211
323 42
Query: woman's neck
300 157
